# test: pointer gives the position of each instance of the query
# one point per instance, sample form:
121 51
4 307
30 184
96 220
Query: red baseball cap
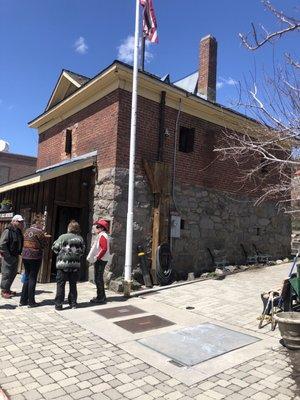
103 223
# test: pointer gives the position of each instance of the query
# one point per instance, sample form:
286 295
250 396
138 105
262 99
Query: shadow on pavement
7 307
87 304
43 291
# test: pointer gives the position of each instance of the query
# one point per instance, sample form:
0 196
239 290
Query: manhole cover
121 311
191 346
141 324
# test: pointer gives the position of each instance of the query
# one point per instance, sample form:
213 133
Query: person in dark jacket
11 245
69 248
35 240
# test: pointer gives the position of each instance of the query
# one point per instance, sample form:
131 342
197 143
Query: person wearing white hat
11 245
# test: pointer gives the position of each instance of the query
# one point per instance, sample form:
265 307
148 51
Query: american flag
149 21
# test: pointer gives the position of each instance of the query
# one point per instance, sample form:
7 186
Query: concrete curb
183 283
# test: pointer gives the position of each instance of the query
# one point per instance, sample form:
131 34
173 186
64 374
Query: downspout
174 167
175 153
161 126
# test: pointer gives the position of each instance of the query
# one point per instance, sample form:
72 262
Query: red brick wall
201 167
19 165
93 128
105 126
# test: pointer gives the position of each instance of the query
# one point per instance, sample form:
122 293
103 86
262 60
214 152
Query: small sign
6 216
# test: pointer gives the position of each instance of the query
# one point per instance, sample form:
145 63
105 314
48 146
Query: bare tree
275 103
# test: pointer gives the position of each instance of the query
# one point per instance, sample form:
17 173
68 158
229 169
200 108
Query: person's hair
74 227
38 219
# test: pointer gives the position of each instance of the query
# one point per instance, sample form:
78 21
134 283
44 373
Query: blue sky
41 37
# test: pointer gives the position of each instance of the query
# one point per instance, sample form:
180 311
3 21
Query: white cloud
80 46
223 82
126 49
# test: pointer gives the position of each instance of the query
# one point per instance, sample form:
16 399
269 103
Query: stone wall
211 219
110 202
222 222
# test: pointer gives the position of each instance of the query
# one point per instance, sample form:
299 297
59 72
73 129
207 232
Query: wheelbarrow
286 299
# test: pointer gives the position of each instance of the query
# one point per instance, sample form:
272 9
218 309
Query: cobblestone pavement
46 356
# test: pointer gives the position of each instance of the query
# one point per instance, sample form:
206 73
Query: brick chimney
208 68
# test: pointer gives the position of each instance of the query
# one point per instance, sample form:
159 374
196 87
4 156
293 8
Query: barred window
68 142
186 139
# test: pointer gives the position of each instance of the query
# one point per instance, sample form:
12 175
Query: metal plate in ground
191 346
142 324
121 311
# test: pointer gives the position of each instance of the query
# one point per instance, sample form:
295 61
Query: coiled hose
164 265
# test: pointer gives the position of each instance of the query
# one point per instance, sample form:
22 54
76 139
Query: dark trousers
99 271
28 290
61 278
9 271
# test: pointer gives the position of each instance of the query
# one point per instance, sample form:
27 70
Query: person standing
69 248
99 256
11 245
35 240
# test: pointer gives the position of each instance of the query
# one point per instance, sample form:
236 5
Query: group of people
69 248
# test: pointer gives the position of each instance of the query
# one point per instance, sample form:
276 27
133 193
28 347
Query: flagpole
129 225
143 53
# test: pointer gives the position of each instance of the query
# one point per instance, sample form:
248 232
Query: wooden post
160 183
155 242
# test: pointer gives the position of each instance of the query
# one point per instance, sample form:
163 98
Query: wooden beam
155 242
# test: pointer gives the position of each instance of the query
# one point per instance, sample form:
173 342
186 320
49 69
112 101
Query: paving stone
144 397
164 388
71 389
81 394
222 390
44 380
58 376
54 394
133 394
115 383
113 394
84 385
251 379
239 382
193 392
156 394
236 396
100 388
260 396
32 395
98 396
146 388
124 378
48 388
206 385
213 395
174 395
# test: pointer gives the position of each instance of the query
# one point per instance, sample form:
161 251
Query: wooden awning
66 167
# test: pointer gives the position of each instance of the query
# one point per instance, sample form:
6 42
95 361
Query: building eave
119 75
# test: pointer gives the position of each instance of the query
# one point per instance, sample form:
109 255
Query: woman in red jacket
99 255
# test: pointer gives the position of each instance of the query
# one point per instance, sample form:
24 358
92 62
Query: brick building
83 157
14 166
